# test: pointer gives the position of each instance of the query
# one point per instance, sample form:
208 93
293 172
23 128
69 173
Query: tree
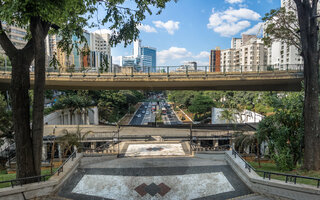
68 18
307 35
228 115
72 139
283 131
201 104
76 102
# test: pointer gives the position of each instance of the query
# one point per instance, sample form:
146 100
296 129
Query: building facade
148 59
17 36
95 55
144 59
250 54
215 60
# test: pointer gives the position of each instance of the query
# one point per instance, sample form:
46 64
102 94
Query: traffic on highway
148 111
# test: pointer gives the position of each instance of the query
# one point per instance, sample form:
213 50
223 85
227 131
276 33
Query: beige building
16 35
247 54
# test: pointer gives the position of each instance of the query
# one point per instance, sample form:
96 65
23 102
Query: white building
64 117
236 43
281 55
99 42
246 54
245 116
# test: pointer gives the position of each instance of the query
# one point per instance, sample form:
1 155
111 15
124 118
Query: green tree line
112 104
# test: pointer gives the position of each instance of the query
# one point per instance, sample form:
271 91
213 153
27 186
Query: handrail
267 174
37 179
187 71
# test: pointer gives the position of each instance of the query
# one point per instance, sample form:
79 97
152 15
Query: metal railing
41 178
168 71
266 174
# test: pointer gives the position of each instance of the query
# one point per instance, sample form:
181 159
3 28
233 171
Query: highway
144 114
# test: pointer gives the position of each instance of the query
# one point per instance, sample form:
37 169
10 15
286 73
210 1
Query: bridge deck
250 81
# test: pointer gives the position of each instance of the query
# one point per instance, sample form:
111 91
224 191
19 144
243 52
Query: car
143 111
147 113
138 115
146 107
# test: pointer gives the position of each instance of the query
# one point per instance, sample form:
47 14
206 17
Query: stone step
254 196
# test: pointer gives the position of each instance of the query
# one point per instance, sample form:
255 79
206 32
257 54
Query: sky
189 29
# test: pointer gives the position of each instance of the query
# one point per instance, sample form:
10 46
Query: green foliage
282 25
6 124
48 94
254 101
72 139
112 105
228 115
284 130
200 104
245 141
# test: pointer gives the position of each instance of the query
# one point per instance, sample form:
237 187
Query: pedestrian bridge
167 79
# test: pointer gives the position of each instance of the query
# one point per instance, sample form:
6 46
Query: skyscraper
148 59
215 60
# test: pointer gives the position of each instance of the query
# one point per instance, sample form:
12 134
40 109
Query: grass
272 167
4 176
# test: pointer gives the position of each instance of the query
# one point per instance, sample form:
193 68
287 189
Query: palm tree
71 139
228 115
248 141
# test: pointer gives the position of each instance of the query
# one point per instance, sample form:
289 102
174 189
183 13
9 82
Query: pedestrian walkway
153 178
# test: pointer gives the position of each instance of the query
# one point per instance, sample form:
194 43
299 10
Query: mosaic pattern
152 189
188 186
154 150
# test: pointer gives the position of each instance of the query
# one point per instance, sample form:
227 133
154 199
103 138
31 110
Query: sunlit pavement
153 178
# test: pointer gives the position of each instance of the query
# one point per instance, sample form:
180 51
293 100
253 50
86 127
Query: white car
143 111
147 113
139 115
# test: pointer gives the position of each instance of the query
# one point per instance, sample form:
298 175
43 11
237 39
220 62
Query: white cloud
254 30
231 21
203 54
234 1
147 28
177 56
170 26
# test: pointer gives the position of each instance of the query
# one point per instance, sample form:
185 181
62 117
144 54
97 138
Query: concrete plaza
153 178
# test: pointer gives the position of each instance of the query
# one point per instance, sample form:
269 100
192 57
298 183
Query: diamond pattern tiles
152 189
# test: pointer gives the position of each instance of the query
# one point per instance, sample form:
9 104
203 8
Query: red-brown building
215 58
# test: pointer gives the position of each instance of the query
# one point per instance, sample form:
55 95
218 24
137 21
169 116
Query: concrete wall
62 117
34 190
272 188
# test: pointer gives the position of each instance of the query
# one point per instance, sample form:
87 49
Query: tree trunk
39 30
20 84
307 12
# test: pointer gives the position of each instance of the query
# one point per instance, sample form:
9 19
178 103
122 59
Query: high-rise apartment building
251 55
236 43
16 35
280 55
215 60
95 55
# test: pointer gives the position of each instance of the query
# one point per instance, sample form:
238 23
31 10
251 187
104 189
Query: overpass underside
246 81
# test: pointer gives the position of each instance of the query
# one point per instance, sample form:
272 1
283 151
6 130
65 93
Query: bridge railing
168 70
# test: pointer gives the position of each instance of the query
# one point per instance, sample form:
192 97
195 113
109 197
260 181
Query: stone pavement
153 178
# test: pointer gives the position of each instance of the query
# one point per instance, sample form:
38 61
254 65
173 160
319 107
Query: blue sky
189 29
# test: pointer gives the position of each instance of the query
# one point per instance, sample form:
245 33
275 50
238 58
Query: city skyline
181 38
